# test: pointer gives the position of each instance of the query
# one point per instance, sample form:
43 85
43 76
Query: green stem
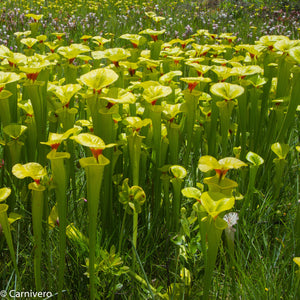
212 136
134 146
253 129
155 49
70 73
259 140
106 133
283 78
173 135
155 115
166 186
31 141
37 214
297 221
134 237
34 92
297 230
60 182
6 229
176 203
13 101
145 283
293 104
225 111
67 117
191 102
5 109
71 173
242 100
248 197
122 232
94 173
213 239
15 148
280 165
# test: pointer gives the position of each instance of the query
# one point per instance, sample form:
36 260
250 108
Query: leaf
4 193
215 203
34 64
58 138
220 223
136 122
92 161
297 260
154 93
254 158
66 92
58 155
215 183
295 54
100 40
76 236
138 196
4 94
207 163
34 16
119 96
5 52
257 80
171 110
231 163
116 54
178 171
33 170
222 72
191 192
3 208
13 217
135 39
281 150
201 69
8 77
247 70
227 90
152 32
27 107
73 50
99 78
29 42
36 187
166 78
53 217
270 40
14 131
132 197
195 80
89 140
98 54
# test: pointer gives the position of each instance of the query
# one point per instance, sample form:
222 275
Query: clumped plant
37 173
161 119
5 225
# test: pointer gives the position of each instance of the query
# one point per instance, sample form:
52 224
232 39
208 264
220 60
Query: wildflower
231 219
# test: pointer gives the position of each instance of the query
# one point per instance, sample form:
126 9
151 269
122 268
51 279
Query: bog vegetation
150 153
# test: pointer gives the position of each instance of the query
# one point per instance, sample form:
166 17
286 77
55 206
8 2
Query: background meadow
150 150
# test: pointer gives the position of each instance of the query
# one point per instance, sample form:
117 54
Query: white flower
231 219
